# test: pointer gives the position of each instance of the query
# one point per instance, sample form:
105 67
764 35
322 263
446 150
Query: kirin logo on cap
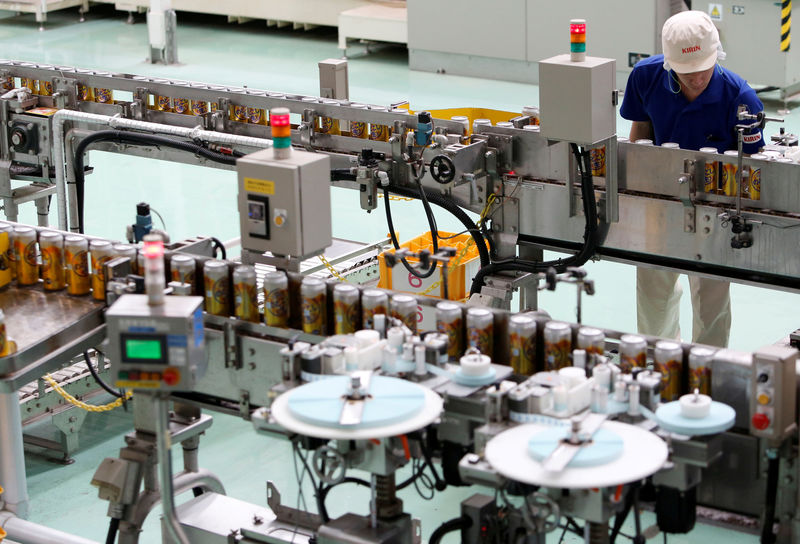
692 49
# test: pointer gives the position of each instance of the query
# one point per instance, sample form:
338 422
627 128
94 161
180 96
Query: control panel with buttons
156 347
772 392
285 203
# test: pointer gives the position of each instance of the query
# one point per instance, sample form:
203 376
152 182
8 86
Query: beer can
183 269
212 106
710 172
217 287
31 84
85 93
101 252
700 359
164 103
25 255
45 88
51 244
755 178
345 308
7 83
359 129
728 176
181 105
329 125
670 145
533 113
239 113
464 120
11 254
404 308
378 132
668 357
313 300
522 344
256 116
373 302
5 248
129 252
597 159
450 322
199 107
557 345
104 96
632 352
276 299
245 294
480 123
76 256
480 330
592 340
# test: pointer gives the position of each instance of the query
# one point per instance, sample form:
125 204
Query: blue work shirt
653 94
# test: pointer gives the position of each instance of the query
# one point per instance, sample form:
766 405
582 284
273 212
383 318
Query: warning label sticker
715 12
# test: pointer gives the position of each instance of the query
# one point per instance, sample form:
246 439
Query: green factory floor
197 201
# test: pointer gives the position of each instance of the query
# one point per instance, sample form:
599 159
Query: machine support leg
12 456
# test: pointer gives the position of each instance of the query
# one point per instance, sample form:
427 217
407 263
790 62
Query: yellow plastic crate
461 268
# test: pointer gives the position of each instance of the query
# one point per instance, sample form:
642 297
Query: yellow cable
80 404
331 269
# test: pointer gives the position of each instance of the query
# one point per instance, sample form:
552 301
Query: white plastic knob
695 405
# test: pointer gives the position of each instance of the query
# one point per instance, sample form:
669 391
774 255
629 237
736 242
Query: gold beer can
450 322
129 252
728 176
379 133
633 352
710 172
85 93
31 84
480 330
7 83
276 299
217 287
199 107
245 294
183 269
755 178
103 96
101 252
329 125
51 244
45 88
239 113
359 129
76 257
6 247
181 105
557 345
346 313
668 357
522 344
256 116
597 159
25 255
404 308
373 302
313 296
164 103
700 360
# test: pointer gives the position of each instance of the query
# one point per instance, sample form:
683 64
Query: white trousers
658 296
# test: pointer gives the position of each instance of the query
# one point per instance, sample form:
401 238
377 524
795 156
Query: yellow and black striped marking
786 25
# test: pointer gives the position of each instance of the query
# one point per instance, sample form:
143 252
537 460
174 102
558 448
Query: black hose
455 524
113 527
98 379
219 245
767 535
411 269
586 251
342 174
437 199
134 138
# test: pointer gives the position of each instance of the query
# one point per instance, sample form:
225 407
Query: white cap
690 42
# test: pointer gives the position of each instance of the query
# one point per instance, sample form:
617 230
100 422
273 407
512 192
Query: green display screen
143 349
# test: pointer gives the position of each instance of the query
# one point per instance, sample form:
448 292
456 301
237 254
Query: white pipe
26 532
12 456
171 523
62 116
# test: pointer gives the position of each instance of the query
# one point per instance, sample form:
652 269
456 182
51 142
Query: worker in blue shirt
685 97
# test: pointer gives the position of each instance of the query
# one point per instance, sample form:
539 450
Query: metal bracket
688 188
233 355
139 105
290 515
244 405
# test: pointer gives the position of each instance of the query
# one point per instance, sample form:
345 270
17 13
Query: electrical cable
586 251
113 527
163 224
134 138
411 269
99 380
219 245
455 524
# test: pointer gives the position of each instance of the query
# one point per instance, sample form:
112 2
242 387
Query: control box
156 347
773 392
576 99
285 204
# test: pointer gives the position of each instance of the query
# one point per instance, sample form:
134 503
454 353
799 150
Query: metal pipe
12 456
62 116
25 532
173 527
